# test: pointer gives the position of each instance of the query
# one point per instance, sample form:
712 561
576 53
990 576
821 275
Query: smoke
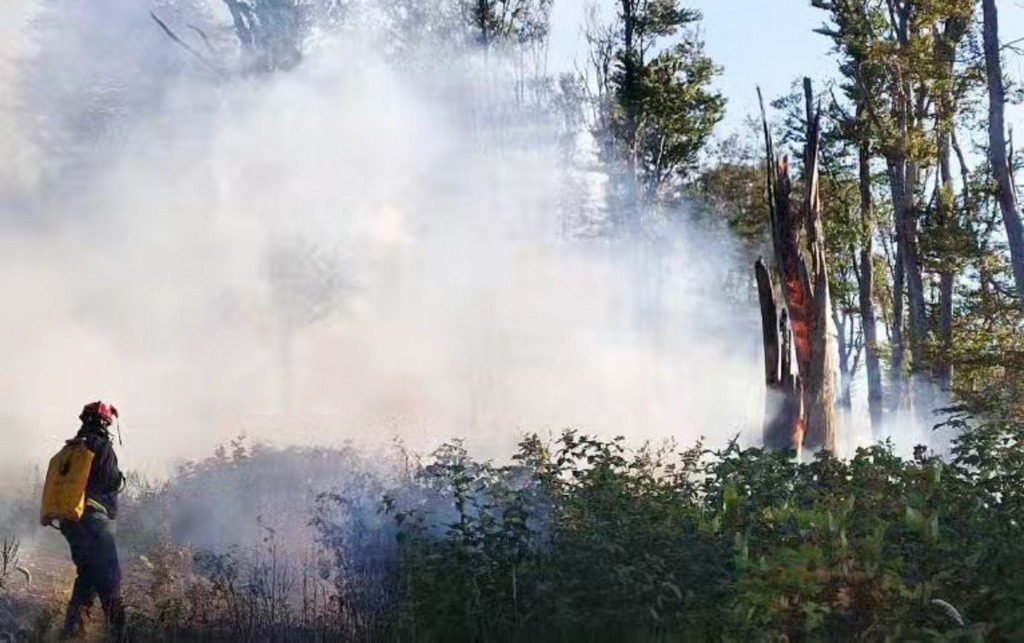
921 420
323 255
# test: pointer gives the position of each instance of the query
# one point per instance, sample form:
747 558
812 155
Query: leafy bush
584 539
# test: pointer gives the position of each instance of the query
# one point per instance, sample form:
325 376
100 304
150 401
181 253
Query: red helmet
102 411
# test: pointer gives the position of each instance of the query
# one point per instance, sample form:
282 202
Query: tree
653 106
269 31
854 24
905 84
730 187
841 190
436 30
508 21
796 232
271 35
1006 192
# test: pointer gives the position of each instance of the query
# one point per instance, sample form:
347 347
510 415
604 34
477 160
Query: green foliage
731 186
443 30
910 97
508 21
585 539
655 109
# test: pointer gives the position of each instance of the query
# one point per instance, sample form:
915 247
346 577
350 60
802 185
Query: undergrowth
580 538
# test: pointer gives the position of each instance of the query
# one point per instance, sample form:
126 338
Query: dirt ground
32 609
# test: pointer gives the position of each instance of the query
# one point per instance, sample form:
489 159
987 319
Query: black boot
83 597
116 619
74 626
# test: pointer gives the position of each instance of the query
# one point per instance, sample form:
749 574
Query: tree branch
174 37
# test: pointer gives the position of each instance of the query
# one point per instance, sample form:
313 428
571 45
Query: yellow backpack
66 479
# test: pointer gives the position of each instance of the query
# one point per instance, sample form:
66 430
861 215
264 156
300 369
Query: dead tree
782 403
800 410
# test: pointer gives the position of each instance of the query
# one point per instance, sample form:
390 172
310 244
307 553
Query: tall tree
1001 170
853 29
865 273
902 74
842 191
907 102
654 106
270 32
798 232
508 21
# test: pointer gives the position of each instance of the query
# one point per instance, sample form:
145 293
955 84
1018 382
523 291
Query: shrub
585 539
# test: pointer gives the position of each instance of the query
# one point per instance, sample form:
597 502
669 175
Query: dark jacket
105 480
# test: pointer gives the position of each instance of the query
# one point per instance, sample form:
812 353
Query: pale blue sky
759 42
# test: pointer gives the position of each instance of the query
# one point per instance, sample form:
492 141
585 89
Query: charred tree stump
782 402
800 410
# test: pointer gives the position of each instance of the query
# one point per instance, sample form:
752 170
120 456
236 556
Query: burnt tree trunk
782 401
805 295
821 389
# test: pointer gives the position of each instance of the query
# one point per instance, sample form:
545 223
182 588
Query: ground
32 610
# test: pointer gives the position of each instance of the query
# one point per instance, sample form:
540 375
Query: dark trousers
94 552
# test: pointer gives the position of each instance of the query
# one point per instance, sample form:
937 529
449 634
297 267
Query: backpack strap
91 503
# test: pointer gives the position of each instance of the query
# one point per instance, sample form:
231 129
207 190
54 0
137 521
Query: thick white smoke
157 257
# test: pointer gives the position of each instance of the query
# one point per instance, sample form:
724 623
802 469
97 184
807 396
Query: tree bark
908 108
903 179
947 276
845 350
805 291
943 363
899 344
1006 193
631 63
782 399
483 11
946 42
865 278
821 387
947 279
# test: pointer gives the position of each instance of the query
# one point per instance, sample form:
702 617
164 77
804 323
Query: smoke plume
331 253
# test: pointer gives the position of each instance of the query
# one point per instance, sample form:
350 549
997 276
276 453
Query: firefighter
92 539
